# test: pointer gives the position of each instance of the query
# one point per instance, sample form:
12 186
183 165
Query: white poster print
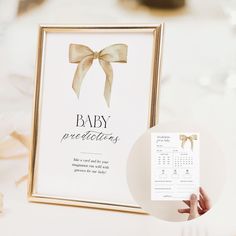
174 165
95 104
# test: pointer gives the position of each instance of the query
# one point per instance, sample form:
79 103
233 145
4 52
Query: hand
197 207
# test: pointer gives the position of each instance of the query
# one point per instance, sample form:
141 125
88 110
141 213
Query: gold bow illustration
185 138
84 56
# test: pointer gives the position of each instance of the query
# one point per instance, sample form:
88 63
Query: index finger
204 194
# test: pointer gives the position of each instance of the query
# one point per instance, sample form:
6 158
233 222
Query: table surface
197 83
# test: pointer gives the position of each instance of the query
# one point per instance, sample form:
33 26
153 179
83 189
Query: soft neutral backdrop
198 83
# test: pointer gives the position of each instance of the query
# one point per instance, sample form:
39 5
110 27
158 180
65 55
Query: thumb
193 207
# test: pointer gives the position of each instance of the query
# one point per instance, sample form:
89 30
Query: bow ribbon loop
84 56
185 138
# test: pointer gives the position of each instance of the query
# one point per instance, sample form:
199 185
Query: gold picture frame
156 32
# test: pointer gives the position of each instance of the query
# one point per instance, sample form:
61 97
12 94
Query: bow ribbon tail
80 73
183 138
191 141
192 138
109 79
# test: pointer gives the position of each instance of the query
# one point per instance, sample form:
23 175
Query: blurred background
198 83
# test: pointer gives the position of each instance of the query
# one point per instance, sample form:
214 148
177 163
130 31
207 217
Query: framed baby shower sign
96 92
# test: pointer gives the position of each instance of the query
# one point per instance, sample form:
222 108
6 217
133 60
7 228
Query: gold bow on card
185 138
84 56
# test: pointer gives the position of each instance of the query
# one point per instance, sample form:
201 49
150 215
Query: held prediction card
174 165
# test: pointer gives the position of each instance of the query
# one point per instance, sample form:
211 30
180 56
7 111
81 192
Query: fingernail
193 197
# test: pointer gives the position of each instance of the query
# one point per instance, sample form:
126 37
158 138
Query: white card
174 166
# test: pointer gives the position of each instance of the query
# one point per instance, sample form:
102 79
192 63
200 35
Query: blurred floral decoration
27 5
11 136
5 154
164 3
